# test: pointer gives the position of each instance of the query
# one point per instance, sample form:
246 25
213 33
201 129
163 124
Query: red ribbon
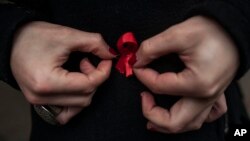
127 47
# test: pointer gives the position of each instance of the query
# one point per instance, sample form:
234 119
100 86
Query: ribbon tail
120 66
129 71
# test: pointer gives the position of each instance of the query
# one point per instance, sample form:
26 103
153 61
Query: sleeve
11 16
234 16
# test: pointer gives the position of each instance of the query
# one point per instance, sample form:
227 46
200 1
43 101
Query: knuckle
33 99
97 37
181 35
207 88
98 41
61 33
41 87
174 32
210 91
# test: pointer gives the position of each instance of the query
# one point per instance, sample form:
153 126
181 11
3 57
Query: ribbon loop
127 47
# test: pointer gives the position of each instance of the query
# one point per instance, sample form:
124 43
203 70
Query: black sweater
115 113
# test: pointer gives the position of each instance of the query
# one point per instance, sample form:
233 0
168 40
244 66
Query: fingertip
105 65
86 66
104 51
68 112
149 126
61 118
84 61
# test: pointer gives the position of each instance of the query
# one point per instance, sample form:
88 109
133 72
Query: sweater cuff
12 18
234 22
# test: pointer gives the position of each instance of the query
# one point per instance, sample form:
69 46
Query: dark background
15 113
15 117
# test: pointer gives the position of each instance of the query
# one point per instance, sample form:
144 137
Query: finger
89 42
195 124
151 111
101 73
218 109
198 120
67 113
178 84
86 67
164 43
63 81
181 114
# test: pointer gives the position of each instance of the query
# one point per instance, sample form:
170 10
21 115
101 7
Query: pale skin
211 61
40 49
38 53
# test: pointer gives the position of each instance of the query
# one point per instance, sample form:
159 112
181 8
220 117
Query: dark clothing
115 112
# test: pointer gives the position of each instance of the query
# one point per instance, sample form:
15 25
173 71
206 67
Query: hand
211 61
39 51
186 115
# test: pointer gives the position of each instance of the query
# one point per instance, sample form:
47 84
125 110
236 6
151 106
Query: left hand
211 61
38 53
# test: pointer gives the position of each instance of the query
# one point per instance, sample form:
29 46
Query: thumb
162 44
177 84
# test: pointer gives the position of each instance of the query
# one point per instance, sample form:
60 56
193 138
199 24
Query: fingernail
85 59
142 94
112 51
151 128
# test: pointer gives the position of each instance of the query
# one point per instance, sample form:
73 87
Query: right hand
39 51
202 45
